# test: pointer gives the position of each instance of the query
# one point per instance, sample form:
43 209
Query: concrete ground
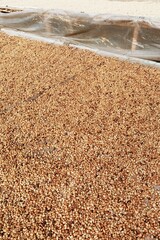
144 8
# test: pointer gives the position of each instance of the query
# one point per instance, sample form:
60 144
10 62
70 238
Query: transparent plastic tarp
130 36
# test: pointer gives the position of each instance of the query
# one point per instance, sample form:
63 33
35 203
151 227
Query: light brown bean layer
79 156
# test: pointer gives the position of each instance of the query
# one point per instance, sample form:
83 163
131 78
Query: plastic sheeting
129 36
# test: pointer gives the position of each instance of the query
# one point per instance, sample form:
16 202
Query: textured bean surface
79 156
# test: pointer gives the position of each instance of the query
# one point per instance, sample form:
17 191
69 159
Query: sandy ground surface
79 154
148 8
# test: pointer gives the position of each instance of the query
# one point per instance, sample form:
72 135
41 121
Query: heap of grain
78 144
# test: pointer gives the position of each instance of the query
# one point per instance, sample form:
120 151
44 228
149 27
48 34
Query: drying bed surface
78 144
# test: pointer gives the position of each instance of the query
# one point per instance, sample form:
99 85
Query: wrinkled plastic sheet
128 36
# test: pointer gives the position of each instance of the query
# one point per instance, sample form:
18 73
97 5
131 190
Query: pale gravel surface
79 145
145 8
